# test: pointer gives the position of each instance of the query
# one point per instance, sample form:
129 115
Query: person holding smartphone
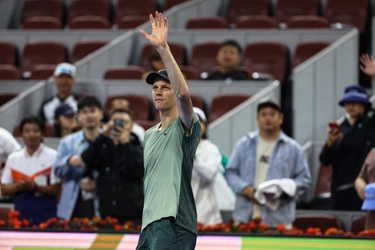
346 148
117 155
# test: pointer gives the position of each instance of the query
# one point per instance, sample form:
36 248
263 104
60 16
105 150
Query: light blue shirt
73 144
287 161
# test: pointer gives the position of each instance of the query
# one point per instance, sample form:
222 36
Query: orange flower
118 227
3 223
25 223
252 225
349 234
263 226
242 227
13 214
43 225
199 226
281 228
257 220
217 227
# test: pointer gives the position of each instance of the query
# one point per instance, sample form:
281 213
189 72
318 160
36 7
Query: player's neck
167 117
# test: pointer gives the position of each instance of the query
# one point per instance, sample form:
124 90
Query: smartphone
119 122
333 125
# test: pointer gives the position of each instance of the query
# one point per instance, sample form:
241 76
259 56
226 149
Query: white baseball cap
200 114
65 68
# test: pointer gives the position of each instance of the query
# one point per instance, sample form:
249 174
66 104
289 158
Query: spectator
123 103
156 64
64 74
365 177
207 163
117 155
78 198
368 65
263 157
7 146
228 57
28 174
65 120
346 149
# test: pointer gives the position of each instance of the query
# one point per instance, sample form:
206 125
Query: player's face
163 95
31 135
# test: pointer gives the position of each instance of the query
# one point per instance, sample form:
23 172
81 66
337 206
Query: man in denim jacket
264 155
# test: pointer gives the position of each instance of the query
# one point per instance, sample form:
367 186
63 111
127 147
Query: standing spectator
169 219
365 177
228 57
263 156
368 65
64 74
346 149
123 103
207 163
78 198
65 120
117 155
28 174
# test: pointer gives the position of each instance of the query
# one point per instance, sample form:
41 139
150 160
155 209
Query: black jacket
348 154
120 181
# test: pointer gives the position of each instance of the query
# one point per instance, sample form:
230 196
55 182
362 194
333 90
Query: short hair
154 57
121 98
88 101
123 111
35 120
231 43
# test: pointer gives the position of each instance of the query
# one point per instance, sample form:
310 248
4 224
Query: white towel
269 192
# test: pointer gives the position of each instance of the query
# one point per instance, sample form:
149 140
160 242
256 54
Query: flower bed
110 223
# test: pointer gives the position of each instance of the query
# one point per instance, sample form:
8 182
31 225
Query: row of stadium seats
40 58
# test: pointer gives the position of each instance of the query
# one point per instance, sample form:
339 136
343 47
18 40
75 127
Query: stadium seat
203 56
42 23
9 72
130 22
323 184
140 105
49 130
89 8
288 8
177 50
82 49
190 72
42 72
36 53
305 50
221 104
237 8
89 22
4 213
135 8
42 8
322 221
207 23
348 12
307 22
198 102
358 225
267 57
170 3
6 97
256 22
8 53
126 72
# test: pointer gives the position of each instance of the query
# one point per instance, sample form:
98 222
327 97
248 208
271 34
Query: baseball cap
65 68
269 102
153 75
65 110
200 114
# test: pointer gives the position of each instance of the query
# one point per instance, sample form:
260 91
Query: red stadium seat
256 22
37 53
135 8
127 72
307 22
8 53
190 72
237 8
358 225
82 49
203 56
6 97
42 8
140 105
323 185
198 102
130 22
89 22
42 72
305 50
42 23
288 8
170 3
89 8
207 23
221 104
267 57
9 72
322 221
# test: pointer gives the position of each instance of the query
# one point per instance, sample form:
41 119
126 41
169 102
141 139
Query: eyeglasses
65 70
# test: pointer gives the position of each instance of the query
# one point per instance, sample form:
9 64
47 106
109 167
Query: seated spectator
78 197
28 174
64 74
123 103
117 155
65 120
207 163
264 156
228 57
346 149
156 64
365 177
